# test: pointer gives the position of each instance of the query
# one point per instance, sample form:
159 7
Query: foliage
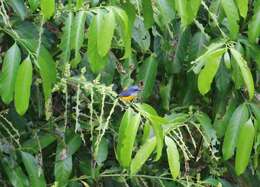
196 121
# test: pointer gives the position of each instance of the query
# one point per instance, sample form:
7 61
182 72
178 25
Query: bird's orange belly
128 98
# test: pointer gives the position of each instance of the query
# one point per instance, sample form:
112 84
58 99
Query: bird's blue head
134 88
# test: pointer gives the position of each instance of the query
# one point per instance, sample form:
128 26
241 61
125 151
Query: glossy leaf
23 86
209 71
244 146
231 12
9 71
105 30
173 157
240 116
142 155
254 24
48 8
126 138
34 170
147 13
147 74
247 76
77 36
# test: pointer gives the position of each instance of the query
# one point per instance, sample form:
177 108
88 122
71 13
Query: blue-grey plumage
131 91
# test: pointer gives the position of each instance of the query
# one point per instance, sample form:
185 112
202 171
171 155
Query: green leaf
242 7
173 157
147 74
97 63
247 76
66 39
240 116
254 24
166 8
165 94
126 138
126 30
14 173
256 111
33 4
9 71
227 60
47 71
142 155
18 7
34 170
209 71
77 36
23 86
48 8
147 13
231 12
158 131
102 152
244 146
105 30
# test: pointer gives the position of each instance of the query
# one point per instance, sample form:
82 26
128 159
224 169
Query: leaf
244 146
9 71
227 60
126 30
173 157
18 7
147 13
102 152
198 45
126 138
158 131
47 8
231 12
165 94
240 116
66 39
254 24
166 8
242 7
209 71
147 74
97 63
77 36
33 4
247 76
105 30
47 71
14 173
23 86
256 111
34 171
142 155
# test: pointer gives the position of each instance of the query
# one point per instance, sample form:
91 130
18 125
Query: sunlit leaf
48 8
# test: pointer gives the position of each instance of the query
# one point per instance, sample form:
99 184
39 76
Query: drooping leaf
105 30
254 24
126 30
227 60
9 71
240 116
18 7
77 36
147 13
23 86
126 138
256 111
33 170
158 131
247 76
102 152
142 155
242 7
48 8
97 63
244 146
147 74
173 157
166 8
209 71
165 93
66 39
232 17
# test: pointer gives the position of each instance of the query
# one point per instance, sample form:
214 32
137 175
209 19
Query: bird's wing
125 93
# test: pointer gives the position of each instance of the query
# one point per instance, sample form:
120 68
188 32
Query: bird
130 93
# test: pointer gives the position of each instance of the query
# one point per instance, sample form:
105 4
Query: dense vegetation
196 121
